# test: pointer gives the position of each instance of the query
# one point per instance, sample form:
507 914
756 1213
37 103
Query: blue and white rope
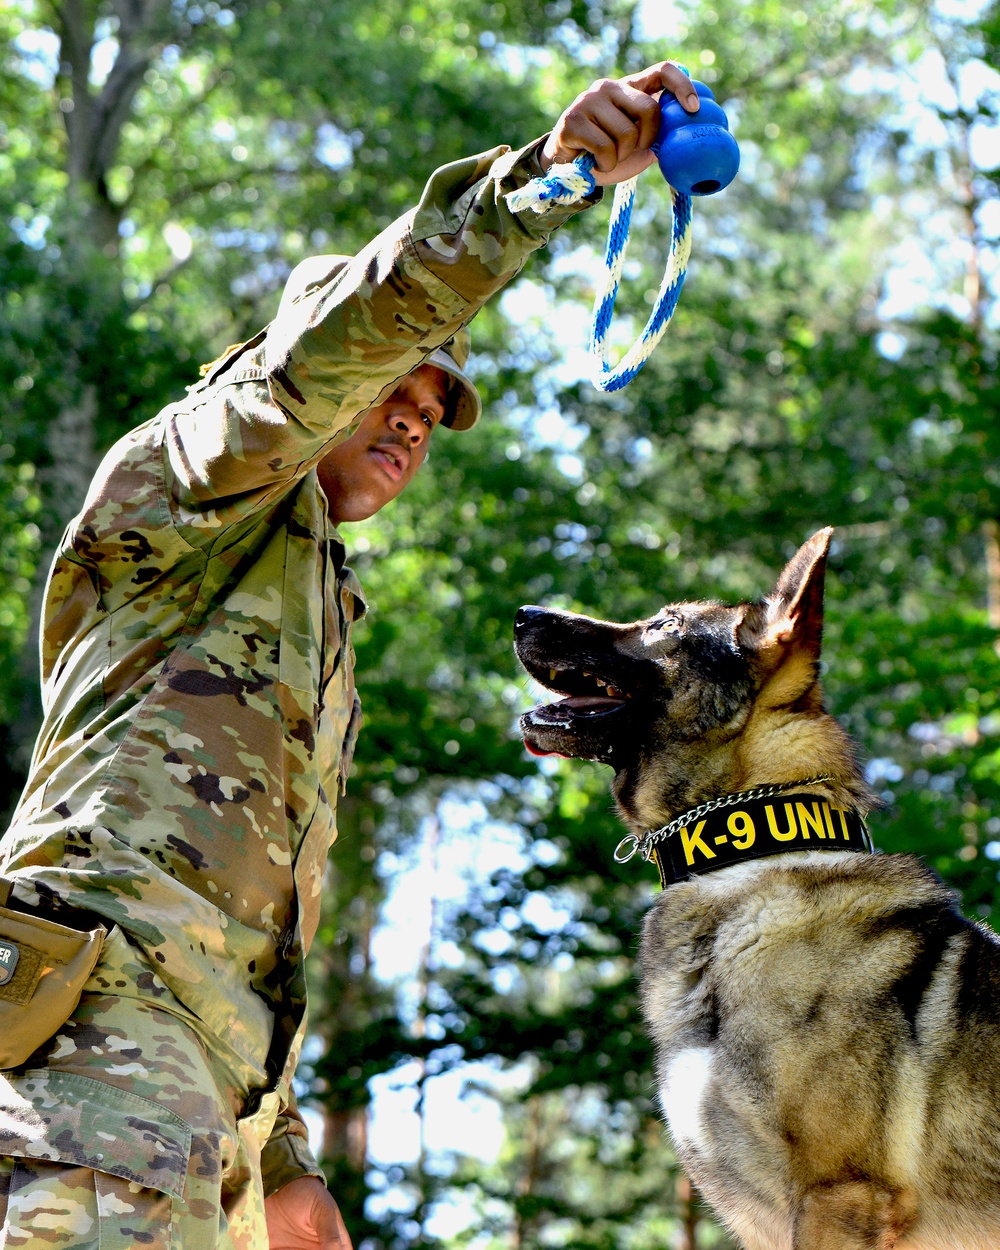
572 182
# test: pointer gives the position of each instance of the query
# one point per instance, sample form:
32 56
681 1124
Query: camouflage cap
464 405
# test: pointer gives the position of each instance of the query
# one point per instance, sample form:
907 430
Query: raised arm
255 427
333 351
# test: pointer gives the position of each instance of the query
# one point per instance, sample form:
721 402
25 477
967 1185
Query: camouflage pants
124 1130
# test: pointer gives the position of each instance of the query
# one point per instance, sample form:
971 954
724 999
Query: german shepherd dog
826 1022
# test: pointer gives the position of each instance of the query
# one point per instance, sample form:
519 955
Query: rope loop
612 378
568 184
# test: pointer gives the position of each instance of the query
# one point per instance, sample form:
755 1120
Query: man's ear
788 625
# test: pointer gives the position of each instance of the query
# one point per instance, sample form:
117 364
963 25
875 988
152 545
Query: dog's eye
671 623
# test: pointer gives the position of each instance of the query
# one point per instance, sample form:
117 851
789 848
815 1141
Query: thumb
329 1223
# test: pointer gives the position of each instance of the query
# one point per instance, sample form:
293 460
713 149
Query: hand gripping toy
697 156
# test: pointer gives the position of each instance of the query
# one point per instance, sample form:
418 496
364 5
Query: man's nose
406 419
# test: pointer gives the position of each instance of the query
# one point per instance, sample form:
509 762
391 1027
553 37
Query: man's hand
302 1215
617 119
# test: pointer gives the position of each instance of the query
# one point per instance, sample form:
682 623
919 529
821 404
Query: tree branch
245 174
190 108
142 36
95 122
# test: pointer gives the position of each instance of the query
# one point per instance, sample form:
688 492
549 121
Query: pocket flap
33 948
73 1119
57 942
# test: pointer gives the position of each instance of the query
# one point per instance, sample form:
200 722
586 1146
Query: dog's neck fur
769 745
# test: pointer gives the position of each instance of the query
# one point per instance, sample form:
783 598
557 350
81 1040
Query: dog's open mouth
598 686
586 693
587 696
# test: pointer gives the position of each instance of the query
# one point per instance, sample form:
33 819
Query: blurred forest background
164 163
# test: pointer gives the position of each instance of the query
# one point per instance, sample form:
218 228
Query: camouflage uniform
200 717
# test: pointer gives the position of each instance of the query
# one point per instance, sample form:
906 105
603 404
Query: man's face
364 473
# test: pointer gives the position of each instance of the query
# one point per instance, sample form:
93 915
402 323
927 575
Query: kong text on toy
697 156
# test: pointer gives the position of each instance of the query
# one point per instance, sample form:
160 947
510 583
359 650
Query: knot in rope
567 183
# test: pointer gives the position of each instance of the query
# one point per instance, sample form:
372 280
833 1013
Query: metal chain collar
644 843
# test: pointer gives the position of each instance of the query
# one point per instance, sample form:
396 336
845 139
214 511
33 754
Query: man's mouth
393 459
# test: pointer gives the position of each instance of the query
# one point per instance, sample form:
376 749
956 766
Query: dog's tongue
533 750
586 703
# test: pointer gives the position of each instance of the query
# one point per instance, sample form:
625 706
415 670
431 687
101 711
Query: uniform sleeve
286 1155
276 408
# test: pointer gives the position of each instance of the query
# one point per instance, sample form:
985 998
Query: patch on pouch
9 956
22 973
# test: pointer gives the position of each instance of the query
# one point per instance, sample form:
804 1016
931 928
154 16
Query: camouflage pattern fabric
124 1129
49 1204
200 708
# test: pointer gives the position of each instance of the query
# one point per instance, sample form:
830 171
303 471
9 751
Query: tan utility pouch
43 969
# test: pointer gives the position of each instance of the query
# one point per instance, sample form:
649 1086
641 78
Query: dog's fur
827 1024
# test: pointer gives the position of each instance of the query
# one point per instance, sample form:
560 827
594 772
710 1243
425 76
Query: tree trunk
345 1136
991 539
94 120
688 1212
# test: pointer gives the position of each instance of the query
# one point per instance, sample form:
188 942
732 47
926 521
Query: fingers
610 119
666 76
303 1215
332 1233
629 118
611 123
617 120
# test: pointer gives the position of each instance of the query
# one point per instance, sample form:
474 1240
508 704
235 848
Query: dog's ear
788 625
795 606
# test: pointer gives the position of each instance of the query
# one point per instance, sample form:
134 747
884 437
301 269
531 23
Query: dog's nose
526 615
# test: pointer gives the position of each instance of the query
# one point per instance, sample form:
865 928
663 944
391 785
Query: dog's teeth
613 693
552 674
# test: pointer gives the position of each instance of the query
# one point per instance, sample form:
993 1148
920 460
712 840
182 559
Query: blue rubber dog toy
697 154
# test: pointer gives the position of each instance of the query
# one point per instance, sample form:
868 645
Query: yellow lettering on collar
785 835
742 824
814 820
689 841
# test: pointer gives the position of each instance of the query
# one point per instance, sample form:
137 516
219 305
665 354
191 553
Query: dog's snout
526 615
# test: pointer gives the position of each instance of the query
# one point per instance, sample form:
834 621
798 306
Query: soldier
201 714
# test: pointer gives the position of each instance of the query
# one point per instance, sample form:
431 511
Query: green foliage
19 543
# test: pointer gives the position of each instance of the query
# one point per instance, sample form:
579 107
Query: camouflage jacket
200 709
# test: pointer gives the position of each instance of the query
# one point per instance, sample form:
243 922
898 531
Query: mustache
392 438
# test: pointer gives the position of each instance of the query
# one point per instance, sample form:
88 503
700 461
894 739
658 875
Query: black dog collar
748 826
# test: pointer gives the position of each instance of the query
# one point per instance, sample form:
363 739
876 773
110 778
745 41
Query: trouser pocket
58 1128
43 969
64 1207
